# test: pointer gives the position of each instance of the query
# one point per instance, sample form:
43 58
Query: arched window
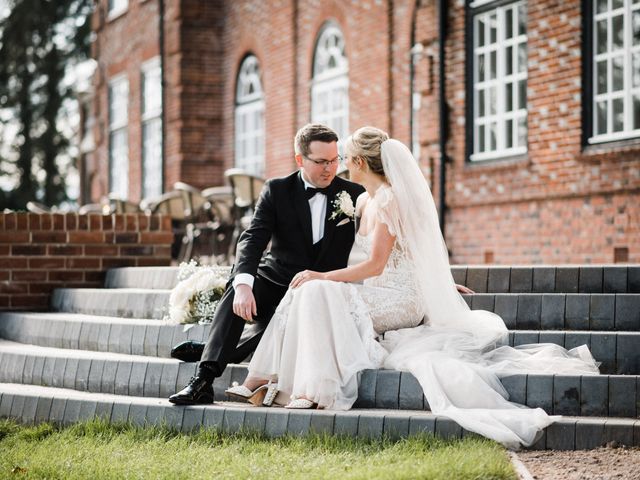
330 85
250 118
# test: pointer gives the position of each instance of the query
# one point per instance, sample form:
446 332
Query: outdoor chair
94 209
121 205
246 190
35 207
173 205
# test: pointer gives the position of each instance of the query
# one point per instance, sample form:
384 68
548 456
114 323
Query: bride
399 309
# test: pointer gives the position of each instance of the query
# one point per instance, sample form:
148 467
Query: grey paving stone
192 418
83 338
70 372
628 354
483 301
87 410
151 340
118 343
164 341
614 280
255 420
20 361
633 279
557 338
276 424
137 414
370 425
387 389
82 375
544 280
540 443
525 338
72 335
58 372
56 414
42 410
636 433
577 311
95 375
516 385
94 337
17 406
566 394
29 409
238 373
617 430
529 309
155 414
47 371
136 380
213 417
477 279
395 427
468 299
299 422
221 383
367 389
137 340
576 339
552 313
152 380
561 436
321 422
109 371
120 412
498 281
521 280
345 424
233 420
27 373
6 399
603 349
567 279
419 425
72 411
506 306
603 312
447 428
123 374
622 396
589 434
459 275
103 409
594 398
627 312
591 279
540 392
103 337
411 396
168 380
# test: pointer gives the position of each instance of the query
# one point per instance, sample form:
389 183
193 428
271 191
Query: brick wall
41 252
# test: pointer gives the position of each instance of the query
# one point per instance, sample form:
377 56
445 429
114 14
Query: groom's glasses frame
326 163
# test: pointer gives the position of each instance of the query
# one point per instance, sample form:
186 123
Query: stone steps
482 279
137 375
31 404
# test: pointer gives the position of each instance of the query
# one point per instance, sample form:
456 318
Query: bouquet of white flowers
196 296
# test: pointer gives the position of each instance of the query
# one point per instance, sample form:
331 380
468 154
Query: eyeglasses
326 163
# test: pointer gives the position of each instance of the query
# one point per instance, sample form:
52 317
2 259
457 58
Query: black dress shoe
197 391
188 351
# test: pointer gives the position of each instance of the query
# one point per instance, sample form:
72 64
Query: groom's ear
299 160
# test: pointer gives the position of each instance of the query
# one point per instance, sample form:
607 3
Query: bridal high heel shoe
261 396
301 404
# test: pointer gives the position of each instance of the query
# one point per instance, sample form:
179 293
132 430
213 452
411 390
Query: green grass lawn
98 450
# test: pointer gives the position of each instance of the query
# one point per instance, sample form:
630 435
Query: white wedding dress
324 333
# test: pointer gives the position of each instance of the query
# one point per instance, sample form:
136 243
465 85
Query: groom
295 214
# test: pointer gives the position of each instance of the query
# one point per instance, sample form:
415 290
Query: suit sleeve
254 240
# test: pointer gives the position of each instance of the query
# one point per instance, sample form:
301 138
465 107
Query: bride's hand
463 289
305 276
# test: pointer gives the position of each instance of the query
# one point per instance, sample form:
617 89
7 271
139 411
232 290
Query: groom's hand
244 303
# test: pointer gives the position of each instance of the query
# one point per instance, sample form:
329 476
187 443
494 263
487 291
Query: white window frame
119 161
249 118
500 118
116 8
625 54
330 83
151 118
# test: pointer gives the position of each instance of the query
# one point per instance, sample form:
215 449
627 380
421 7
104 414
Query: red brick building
540 123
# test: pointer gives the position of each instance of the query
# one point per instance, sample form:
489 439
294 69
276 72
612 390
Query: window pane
601 118
635 70
617 71
492 135
480 29
481 102
509 134
493 28
152 158
522 19
493 64
617 30
601 70
522 132
481 138
493 101
522 57
522 94
481 68
508 97
617 4
636 27
508 61
601 36
508 20
618 115
601 6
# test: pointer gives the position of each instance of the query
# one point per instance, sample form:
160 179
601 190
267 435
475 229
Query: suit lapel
301 205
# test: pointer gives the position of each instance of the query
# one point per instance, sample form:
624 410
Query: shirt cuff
243 279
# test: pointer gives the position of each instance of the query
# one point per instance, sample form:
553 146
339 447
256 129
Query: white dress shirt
318 207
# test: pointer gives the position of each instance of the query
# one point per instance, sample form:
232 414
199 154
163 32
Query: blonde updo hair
366 143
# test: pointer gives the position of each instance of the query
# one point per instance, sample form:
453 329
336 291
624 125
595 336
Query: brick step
31 404
482 279
98 372
529 311
619 352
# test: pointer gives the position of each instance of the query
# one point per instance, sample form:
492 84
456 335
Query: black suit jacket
283 217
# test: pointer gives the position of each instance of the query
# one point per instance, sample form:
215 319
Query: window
118 142
330 85
250 118
499 82
116 7
616 70
151 129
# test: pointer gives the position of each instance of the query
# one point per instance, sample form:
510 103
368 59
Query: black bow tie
311 191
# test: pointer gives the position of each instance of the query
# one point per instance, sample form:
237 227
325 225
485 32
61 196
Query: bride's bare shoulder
361 201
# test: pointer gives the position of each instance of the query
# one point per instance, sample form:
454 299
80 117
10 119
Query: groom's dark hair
310 133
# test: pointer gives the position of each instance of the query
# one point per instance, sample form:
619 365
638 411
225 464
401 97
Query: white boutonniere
343 205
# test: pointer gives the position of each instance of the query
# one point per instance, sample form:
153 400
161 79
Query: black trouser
231 339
